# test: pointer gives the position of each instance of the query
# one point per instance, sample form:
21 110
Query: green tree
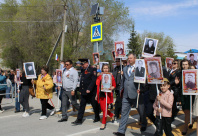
40 23
165 46
134 43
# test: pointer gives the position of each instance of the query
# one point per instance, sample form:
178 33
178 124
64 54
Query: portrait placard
59 75
140 71
18 75
149 47
106 82
101 64
169 62
154 70
119 50
192 57
29 70
96 58
189 84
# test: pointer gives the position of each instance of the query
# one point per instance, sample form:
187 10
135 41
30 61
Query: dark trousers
90 98
141 110
45 105
118 104
66 95
149 107
1 97
24 97
163 124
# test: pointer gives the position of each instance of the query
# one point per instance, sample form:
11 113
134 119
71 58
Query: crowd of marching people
82 83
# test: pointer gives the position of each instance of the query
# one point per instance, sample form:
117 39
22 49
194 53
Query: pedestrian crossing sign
96 32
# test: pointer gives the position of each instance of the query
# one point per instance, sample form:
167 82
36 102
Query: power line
34 6
30 21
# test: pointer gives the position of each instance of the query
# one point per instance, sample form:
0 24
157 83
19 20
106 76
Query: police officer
88 91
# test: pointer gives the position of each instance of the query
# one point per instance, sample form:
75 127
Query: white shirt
130 69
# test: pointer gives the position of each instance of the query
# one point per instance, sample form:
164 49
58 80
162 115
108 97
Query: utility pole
63 35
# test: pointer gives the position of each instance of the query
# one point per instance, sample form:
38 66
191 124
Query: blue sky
176 18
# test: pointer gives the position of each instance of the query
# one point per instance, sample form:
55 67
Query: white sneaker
2 110
43 117
26 114
52 112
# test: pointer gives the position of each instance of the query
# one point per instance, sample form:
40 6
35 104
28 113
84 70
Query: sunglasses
66 64
175 63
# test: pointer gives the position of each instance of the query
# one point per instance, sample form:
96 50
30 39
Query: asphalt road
13 124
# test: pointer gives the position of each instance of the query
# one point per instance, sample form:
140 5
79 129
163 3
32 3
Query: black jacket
176 89
139 73
88 80
26 82
117 76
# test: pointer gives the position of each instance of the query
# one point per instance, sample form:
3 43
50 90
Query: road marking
10 116
83 132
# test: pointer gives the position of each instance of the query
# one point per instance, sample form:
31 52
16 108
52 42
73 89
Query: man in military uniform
88 91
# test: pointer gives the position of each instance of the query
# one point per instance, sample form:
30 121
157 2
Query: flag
56 58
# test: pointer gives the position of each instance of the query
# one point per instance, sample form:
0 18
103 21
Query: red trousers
103 108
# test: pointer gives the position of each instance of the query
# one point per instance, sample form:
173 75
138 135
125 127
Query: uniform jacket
148 49
48 83
88 80
166 103
130 88
110 94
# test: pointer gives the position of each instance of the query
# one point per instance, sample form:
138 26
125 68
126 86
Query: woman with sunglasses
172 74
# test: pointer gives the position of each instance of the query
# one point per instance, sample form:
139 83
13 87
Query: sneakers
43 117
2 110
52 112
25 114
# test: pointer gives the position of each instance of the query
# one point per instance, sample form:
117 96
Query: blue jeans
8 91
17 104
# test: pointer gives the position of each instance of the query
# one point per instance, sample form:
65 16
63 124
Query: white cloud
159 9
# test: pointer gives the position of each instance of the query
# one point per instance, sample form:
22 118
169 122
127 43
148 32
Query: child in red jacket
101 96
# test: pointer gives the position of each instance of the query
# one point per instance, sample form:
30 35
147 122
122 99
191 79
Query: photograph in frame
101 64
59 75
96 58
169 62
189 84
192 57
140 71
154 70
119 50
18 79
29 70
149 47
113 55
106 82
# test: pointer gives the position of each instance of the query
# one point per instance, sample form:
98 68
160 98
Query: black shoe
62 120
113 119
118 134
96 120
184 133
142 129
17 111
103 128
77 122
